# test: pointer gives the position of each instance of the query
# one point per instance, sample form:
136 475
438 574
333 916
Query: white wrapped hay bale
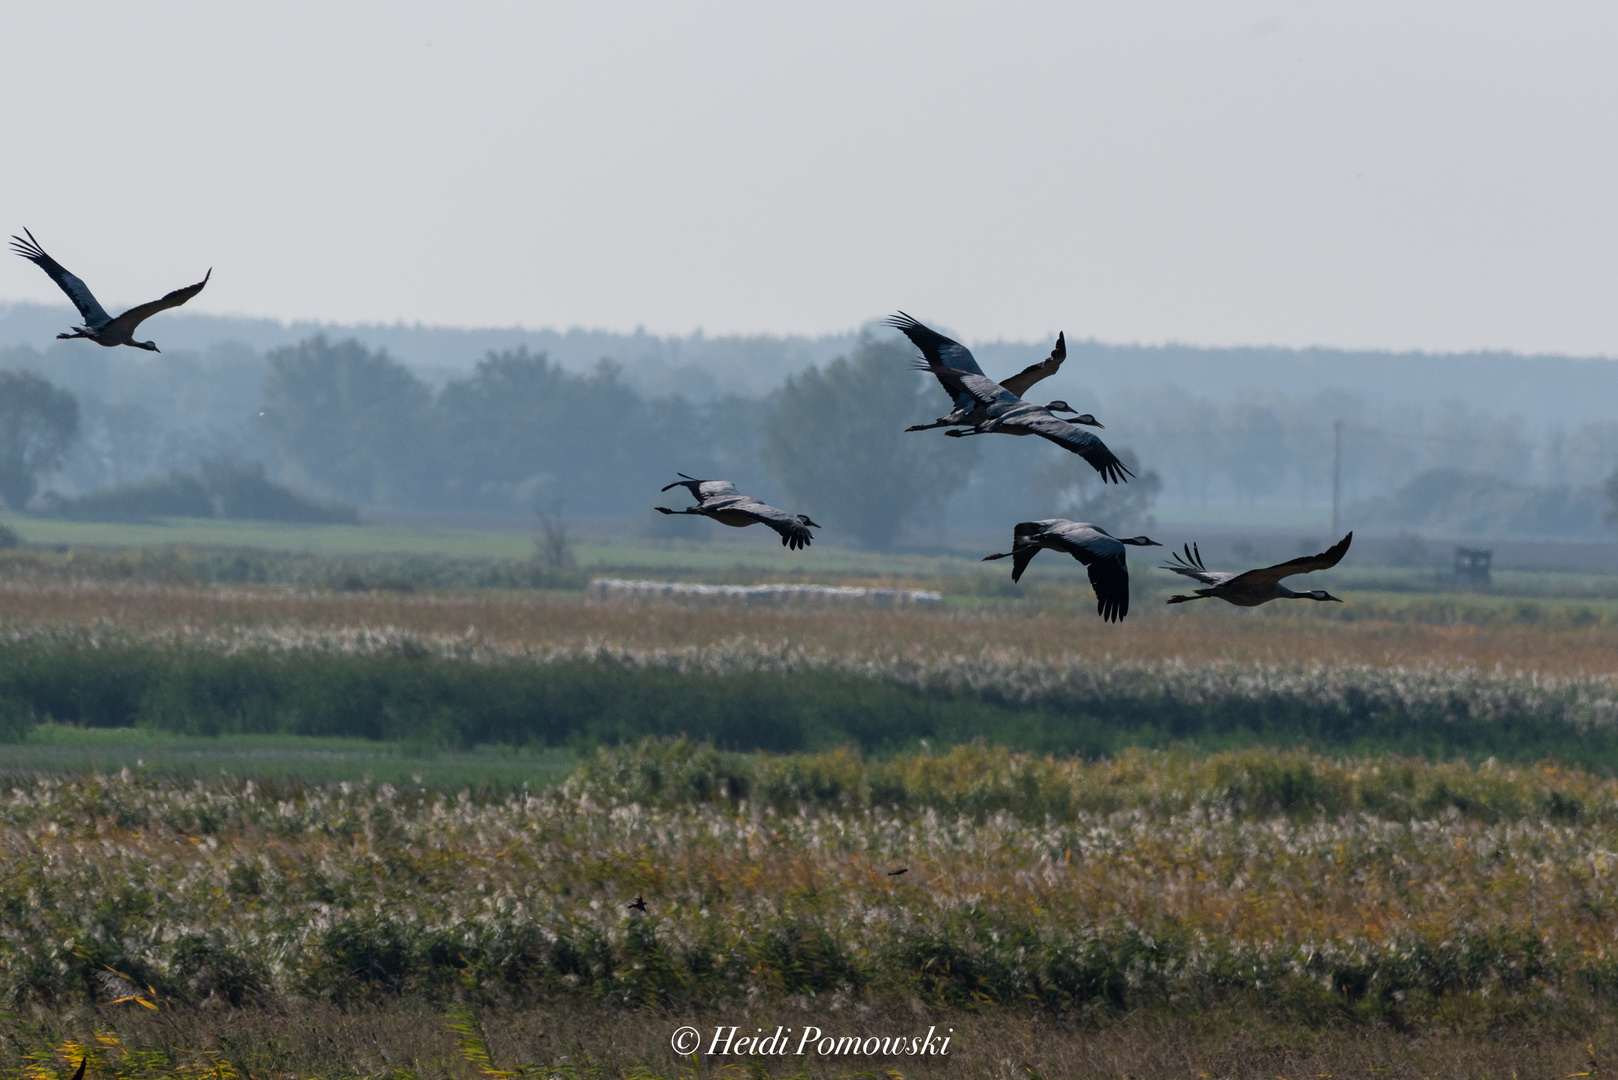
616 589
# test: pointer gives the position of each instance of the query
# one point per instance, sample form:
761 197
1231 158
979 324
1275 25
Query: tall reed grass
1375 888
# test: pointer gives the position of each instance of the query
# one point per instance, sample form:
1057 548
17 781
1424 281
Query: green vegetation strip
456 694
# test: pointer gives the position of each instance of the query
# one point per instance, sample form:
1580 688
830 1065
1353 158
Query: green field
56 747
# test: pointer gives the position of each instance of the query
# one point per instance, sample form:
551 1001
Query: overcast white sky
1437 175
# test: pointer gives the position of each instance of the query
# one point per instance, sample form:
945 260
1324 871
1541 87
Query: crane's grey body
1100 552
99 327
1260 586
946 352
719 499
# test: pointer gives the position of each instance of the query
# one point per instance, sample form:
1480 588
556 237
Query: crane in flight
1256 587
947 352
1100 552
99 327
719 499
988 407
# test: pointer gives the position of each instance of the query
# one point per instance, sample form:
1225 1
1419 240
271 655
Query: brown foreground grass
530 620
408 1039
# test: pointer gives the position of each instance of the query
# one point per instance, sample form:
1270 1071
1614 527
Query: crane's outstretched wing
1190 564
1304 564
1110 579
704 489
1081 442
794 533
939 351
937 348
969 388
141 312
1103 556
1019 383
90 309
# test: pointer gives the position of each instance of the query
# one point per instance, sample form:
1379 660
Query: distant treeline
415 694
518 431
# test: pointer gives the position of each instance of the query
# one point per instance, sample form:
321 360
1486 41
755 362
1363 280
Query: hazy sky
1434 175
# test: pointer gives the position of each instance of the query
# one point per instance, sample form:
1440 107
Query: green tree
521 430
837 443
37 423
352 421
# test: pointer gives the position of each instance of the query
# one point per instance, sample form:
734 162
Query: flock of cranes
981 407
986 407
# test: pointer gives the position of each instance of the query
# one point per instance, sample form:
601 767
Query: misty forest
314 428
317 428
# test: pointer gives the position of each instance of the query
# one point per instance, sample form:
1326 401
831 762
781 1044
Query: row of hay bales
616 589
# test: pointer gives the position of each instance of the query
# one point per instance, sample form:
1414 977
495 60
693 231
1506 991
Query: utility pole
1336 472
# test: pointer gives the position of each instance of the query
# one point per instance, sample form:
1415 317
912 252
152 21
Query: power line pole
1336 473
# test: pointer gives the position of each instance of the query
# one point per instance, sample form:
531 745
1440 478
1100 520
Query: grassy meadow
326 812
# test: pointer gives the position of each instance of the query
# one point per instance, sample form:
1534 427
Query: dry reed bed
540 622
134 886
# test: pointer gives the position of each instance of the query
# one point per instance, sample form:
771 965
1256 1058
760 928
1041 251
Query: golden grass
549 621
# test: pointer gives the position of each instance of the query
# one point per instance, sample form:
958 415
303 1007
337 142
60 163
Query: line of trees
521 432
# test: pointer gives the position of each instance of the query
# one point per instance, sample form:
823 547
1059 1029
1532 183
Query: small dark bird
1256 587
1100 551
901 870
100 327
719 499
639 904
